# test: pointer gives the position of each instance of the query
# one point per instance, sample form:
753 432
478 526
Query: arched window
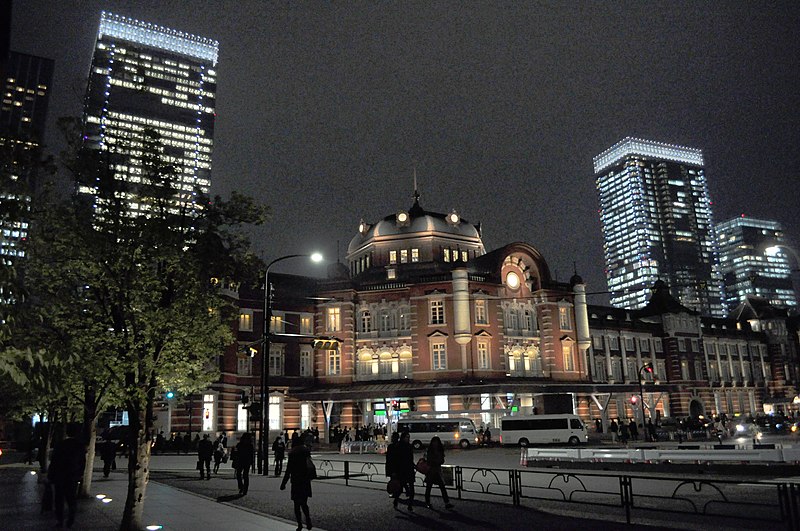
366 321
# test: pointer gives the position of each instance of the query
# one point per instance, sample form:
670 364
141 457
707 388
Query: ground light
107 500
33 472
100 496
154 527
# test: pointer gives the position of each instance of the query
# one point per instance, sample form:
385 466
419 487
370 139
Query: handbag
311 468
422 466
394 487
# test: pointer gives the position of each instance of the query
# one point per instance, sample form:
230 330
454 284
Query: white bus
540 429
452 432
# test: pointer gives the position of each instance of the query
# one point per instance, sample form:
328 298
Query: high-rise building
23 114
754 261
657 224
145 77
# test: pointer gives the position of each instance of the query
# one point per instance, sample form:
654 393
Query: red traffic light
634 399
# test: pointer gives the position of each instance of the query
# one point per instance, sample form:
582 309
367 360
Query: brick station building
429 323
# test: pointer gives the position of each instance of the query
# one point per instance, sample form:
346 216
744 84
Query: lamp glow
316 257
100 496
107 500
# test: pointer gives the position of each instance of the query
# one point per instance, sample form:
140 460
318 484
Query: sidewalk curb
232 505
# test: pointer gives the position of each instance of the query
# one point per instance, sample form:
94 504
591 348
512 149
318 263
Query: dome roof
419 220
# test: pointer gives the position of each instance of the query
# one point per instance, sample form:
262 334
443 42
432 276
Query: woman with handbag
299 470
435 459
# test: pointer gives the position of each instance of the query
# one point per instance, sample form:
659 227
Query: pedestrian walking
65 472
297 470
242 461
187 443
613 428
108 453
634 429
219 453
435 458
403 468
279 449
651 431
624 433
205 451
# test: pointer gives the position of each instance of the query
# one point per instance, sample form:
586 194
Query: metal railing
723 502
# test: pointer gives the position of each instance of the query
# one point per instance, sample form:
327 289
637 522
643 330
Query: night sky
323 110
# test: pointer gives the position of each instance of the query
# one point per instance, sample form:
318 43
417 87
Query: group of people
628 430
402 471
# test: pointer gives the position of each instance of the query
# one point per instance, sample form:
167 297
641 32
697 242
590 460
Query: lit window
480 312
438 356
464 256
569 358
246 321
403 256
446 255
241 418
275 413
306 324
483 355
209 412
334 362
415 255
437 311
333 321
392 257
564 320
276 324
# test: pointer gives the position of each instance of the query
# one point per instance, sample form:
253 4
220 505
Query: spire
416 190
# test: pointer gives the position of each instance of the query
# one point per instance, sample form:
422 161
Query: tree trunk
138 468
90 414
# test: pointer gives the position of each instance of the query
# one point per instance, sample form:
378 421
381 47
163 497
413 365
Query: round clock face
512 280
402 217
454 218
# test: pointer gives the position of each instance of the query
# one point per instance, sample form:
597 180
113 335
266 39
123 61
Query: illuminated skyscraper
147 76
23 114
657 224
753 262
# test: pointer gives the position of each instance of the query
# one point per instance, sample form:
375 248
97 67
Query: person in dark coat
297 471
205 451
403 468
65 472
634 429
435 458
392 464
279 448
243 460
108 453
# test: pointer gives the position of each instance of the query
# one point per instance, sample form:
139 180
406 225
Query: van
452 432
542 429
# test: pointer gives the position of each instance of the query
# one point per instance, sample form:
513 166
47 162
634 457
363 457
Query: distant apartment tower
657 224
147 76
753 261
23 115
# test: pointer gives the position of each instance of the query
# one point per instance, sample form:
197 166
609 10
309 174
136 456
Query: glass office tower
23 115
754 260
657 224
144 76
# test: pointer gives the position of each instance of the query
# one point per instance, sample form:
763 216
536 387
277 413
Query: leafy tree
132 296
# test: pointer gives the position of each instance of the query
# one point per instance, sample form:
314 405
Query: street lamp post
647 367
263 429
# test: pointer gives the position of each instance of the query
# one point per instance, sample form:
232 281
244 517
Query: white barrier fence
363 447
641 455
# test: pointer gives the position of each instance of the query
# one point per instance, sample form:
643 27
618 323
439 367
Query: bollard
523 457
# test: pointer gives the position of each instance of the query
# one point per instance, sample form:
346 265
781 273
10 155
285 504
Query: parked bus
461 432
540 429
